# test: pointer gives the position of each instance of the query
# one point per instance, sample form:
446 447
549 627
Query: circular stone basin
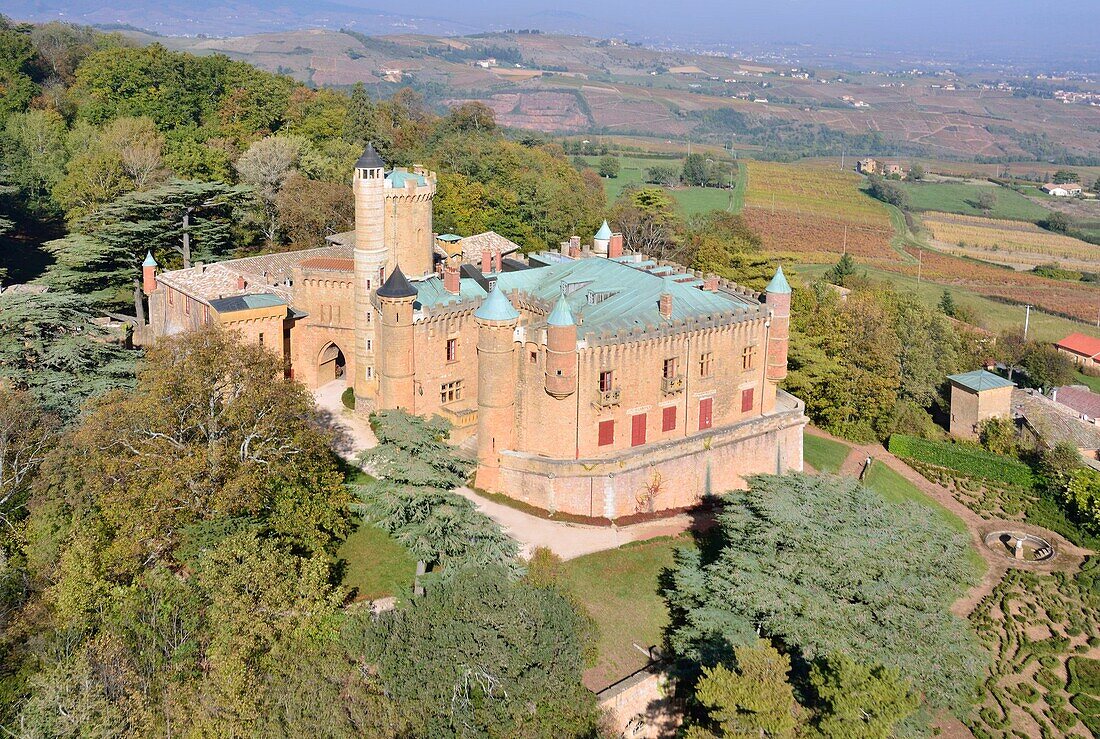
1019 546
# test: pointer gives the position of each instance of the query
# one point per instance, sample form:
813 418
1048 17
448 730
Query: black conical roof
397 286
370 159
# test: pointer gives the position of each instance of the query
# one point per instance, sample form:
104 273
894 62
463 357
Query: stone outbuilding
975 397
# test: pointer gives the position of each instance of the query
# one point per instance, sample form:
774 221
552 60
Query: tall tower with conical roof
561 351
496 384
778 300
368 185
396 365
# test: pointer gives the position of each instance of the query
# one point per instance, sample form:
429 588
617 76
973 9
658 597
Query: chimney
242 283
498 262
486 260
451 282
666 305
574 246
615 246
565 248
710 283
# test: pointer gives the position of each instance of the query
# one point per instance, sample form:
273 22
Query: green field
824 455
375 565
1093 383
619 589
958 197
992 315
632 171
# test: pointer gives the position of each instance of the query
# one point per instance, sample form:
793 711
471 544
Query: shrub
348 398
1086 704
1084 675
966 461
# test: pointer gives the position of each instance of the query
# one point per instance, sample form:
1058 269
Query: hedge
1084 675
964 460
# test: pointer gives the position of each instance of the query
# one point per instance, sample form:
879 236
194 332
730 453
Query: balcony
672 385
609 398
459 418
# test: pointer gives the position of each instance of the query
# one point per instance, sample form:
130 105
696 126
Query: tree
1057 221
947 304
50 348
998 435
649 222
609 166
36 158
1046 367
788 570
1082 497
26 435
266 166
916 173
752 700
842 270
663 175
888 192
987 200
487 655
696 171
309 210
857 701
1064 176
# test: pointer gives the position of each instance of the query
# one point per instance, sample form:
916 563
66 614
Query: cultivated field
1018 244
692 200
959 197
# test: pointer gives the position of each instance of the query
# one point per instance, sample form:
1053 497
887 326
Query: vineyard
821 238
812 190
1016 243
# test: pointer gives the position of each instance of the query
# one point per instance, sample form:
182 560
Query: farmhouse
589 380
1065 190
867 166
1082 349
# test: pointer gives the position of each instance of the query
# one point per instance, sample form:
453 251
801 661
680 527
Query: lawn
992 315
1093 383
824 455
619 589
896 489
376 565
960 197
632 171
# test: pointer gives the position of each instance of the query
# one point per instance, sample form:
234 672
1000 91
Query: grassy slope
993 315
824 455
619 589
692 200
376 565
952 197
1093 383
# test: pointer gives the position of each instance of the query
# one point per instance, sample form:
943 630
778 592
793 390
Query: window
534 357
706 406
369 344
261 338
187 306
748 357
637 430
370 372
746 400
670 368
668 418
607 433
450 391
706 364
605 381
171 296
452 350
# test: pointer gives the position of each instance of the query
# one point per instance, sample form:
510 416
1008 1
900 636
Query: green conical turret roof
561 315
496 307
604 233
149 261
779 283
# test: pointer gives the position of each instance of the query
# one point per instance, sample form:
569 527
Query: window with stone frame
449 392
606 380
706 364
670 368
452 350
748 357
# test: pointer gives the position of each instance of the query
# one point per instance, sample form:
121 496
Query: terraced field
1017 244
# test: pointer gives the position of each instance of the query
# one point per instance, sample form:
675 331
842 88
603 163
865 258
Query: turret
496 382
368 186
601 240
395 342
778 300
149 274
561 351
409 238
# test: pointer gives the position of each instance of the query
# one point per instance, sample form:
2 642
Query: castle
592 382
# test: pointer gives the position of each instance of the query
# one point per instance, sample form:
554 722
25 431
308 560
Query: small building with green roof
976 397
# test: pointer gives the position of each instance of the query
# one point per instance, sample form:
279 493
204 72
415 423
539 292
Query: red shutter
668 419
607 433
746 400
637 430
705 406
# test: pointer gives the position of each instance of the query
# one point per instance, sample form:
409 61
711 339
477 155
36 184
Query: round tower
561 351
496 384
368 186
408 207
778 300
395 342
601 240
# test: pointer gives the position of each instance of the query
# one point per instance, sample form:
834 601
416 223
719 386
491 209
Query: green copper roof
779 283
561 315
397 178
604 233
245 302
149 261
449 238
980 380
497 307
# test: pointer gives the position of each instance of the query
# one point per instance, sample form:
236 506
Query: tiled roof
472 245
330 264
1086 346
1053 422
980 380
1080 399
